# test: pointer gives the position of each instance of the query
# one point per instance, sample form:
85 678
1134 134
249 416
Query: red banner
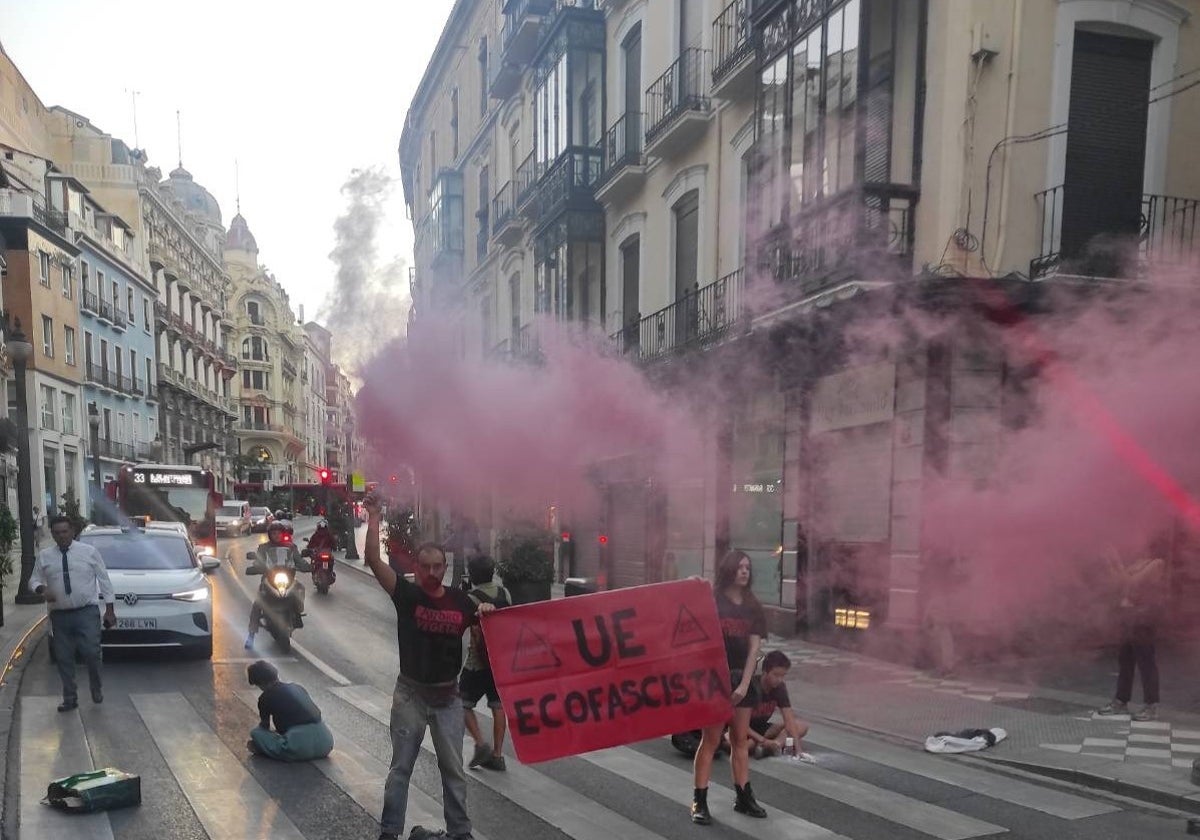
595 671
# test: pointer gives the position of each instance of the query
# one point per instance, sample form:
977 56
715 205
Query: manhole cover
1044 706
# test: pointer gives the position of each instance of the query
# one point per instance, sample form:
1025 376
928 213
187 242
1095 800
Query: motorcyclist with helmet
322 538
279 552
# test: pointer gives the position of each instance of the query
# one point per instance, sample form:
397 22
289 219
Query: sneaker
806 758
495 762
1116 707
1147 712
481 756
420 832
388 835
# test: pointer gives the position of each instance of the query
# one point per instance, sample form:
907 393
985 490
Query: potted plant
526 567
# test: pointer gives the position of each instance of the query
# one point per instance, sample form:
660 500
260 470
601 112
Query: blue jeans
410 715
76 630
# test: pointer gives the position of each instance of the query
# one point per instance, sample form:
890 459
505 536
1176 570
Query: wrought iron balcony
88 302
114 450
831 240
120 321
1164 234
160 312
624 157
734 45
504 77
51 218
701 318
506 226
521 28
528 174
678 103
106 311
569 183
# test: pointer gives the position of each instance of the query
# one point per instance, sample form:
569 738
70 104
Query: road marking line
956 773
53 746
320 664
227 799
560 806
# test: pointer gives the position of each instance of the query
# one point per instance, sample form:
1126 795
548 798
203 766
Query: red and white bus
172 493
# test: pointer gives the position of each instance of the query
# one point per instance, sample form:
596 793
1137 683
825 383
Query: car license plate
137 623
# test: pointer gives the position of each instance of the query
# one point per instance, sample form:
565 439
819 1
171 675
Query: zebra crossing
228 799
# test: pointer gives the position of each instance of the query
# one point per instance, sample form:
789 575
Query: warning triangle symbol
687 629
533 652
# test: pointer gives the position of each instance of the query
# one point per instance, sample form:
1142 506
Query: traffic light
324 475
394 478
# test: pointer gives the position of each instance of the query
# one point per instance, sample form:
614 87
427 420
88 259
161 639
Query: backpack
500 601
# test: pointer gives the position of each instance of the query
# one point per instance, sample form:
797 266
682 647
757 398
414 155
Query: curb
15 659
1178 801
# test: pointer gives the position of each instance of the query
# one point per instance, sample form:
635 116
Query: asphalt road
182 725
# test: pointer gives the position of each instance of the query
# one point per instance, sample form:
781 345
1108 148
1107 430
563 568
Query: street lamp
19 350
94 422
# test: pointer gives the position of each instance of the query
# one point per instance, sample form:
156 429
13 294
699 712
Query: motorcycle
323 574
276 607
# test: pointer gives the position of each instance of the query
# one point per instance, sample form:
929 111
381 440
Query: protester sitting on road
743 625
477 680
299 733
768 738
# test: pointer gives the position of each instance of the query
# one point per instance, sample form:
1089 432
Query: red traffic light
566 536
393 478
324 474
603 539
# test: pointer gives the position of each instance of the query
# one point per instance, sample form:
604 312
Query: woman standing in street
743 625
1142 587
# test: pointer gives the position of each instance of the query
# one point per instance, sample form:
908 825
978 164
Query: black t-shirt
289 704
769 701
738 623
429 631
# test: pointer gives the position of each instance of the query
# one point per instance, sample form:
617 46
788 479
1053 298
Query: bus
172 493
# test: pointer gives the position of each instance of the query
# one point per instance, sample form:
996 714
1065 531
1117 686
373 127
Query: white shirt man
73 579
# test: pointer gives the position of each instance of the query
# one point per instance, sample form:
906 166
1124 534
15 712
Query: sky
297 98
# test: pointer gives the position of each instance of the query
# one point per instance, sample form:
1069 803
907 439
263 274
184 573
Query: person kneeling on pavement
299 733
766 738
477 680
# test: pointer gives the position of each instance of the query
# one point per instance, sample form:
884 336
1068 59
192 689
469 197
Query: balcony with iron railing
106 311
624 157
733 51
504 76
525 183
702 317
1074 239
506 225
88 302
569 183
521 29
115 450
829 241
119 319
102 376
678 107
160 313
526 345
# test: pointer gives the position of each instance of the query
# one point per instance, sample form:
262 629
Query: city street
182 725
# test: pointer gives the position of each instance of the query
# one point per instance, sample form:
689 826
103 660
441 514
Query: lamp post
94 422
19 350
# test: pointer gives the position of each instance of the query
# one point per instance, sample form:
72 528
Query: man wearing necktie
71 576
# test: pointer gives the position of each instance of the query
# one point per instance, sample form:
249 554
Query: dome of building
192 196
239 237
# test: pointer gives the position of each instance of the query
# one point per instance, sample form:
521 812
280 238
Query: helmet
322 524
281 527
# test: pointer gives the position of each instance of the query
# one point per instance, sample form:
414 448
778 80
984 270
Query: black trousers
1137 650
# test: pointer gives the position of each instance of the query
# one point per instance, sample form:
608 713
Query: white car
163 598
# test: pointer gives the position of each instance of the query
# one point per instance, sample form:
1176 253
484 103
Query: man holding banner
430 622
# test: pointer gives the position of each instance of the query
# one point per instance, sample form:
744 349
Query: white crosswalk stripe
54 746
228 801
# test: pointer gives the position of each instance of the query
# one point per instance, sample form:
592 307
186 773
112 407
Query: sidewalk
1051 731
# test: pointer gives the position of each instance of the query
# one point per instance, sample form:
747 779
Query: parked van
233 518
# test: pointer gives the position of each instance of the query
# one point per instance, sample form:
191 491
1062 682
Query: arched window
254 348
253 312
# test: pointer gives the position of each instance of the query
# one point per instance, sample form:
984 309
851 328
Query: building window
69 345
149 374
687 243
133 365
259 380
514 307
68 282
454 124
44 268
255 349
132 312
47 407
47 336
84 276
146 322
87 348
483 76
100 284
254 313
68 414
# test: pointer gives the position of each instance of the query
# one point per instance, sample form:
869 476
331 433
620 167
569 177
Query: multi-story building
116 339
178 224
712 182
40 290
270 429
312 393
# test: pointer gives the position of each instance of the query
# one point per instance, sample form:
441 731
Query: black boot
746 803
700 815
